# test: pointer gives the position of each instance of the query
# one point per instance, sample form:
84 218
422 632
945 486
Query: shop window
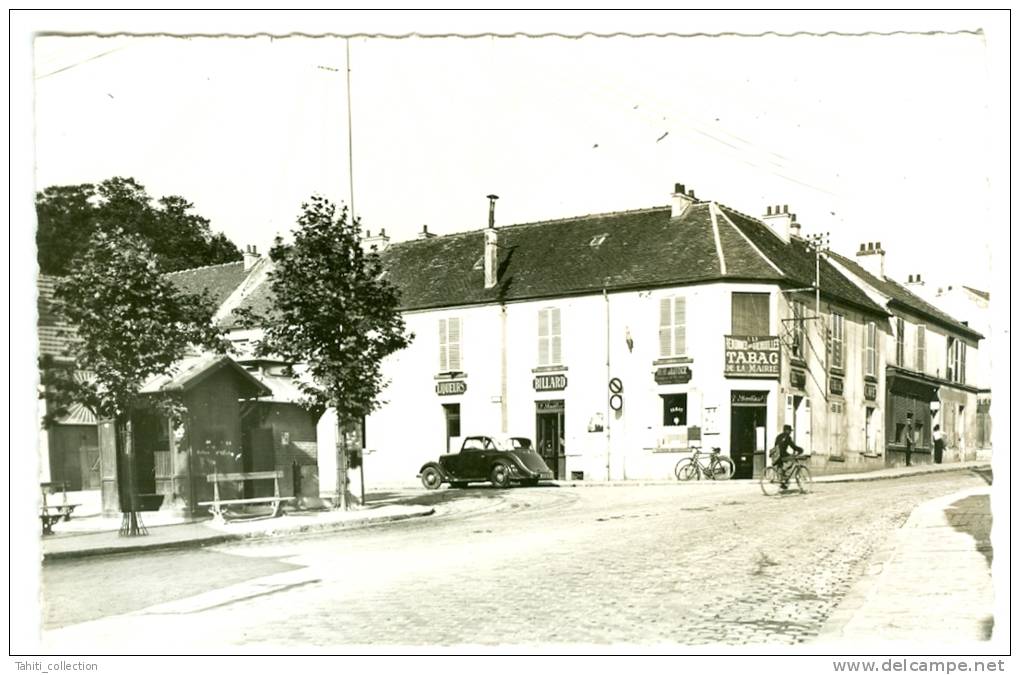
750 313
673 326
674 410
900 334
450 334
919 349
549 339
837 342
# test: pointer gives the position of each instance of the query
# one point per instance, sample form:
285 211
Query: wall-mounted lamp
934 406
629 339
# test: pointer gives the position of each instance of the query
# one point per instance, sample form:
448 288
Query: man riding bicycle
787 450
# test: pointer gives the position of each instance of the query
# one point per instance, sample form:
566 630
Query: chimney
915 280
783 223
872 258
425 234
378 243
251 256
681 200
491 255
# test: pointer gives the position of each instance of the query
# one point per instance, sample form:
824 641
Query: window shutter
679 326
543 337
443 362
665 321
454 343
557 354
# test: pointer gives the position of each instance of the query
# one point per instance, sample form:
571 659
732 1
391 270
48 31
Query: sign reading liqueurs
751 356
451 388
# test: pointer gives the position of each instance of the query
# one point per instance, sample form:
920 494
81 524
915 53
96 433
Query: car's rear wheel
500 476
431 478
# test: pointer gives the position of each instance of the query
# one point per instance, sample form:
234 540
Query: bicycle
775 479
693 467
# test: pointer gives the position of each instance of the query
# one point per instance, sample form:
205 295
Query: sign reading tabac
751 356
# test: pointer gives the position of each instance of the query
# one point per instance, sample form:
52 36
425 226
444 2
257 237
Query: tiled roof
898 295
54 333
798 263
218 280
192 370
641 249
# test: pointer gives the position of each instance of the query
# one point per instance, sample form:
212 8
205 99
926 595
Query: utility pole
350 134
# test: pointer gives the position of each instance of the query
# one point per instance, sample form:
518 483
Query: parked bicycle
775 479
711 465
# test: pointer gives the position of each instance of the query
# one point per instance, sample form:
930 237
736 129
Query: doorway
549 436
747 430
451 412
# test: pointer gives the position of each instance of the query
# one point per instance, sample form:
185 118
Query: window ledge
870 455
451 375
548 369
837 370
671 360
798 362
871 378
837 458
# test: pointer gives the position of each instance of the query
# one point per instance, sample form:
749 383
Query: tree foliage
131 323
333 312
69 215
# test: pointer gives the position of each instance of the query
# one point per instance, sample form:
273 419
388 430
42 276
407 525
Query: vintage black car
499 460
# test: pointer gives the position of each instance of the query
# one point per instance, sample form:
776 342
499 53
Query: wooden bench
50 514
216 506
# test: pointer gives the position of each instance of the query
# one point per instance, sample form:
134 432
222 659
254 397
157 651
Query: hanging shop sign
870 391
673 375
749 397
798 379
835 385
451 388
550 383
751 356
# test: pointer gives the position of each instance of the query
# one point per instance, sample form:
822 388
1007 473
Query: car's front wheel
500 476
431 478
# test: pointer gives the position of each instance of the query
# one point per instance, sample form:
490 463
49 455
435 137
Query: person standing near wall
909 435
938 442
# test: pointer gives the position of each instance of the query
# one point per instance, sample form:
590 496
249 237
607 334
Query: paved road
689 564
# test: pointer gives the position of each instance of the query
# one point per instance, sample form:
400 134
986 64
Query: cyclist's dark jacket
785 443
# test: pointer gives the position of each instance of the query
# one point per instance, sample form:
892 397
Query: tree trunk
130 525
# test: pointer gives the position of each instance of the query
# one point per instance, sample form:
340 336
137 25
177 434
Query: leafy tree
335 315
70 214
130 324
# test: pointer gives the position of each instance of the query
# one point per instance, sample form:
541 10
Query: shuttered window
871 349
549 338
900 334
920 349
798 329
836 340
672 326
956 357
750 314
450 334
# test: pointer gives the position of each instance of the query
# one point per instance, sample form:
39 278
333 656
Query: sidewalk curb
823 478
216 539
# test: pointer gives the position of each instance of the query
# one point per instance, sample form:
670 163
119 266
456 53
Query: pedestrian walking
909 433
939 443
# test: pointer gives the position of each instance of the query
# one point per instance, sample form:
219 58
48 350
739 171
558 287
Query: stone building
619 342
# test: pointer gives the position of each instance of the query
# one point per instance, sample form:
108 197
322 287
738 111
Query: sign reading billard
451 388
751 356
550 383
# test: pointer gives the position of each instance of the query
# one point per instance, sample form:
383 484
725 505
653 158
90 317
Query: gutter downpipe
609 412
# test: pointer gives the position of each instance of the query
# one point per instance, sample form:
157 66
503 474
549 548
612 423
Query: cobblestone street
687 564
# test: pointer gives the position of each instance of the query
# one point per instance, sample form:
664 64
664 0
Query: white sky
881 138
